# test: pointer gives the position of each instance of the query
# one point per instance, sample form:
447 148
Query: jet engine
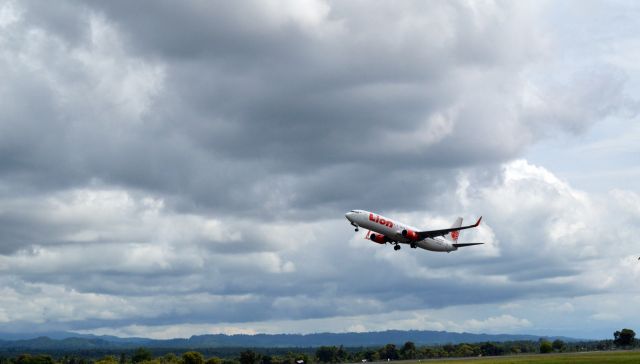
410 234
378 238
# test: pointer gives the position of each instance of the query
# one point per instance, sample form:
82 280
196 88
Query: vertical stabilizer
453 236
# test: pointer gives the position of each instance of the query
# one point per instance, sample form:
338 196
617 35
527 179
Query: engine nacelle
378 238
410 234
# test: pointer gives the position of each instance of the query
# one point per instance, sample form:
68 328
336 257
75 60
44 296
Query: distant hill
71 341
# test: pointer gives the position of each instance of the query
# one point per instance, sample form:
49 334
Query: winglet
478 222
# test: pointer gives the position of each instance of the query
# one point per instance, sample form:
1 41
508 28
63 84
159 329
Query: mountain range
73 341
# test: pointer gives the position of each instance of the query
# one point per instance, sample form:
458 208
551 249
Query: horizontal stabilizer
467 244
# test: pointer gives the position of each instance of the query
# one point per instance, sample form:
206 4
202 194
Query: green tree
288 358
140 355
23 359
449 348
440 352
491 349
624 338
371 355
192 357
38 359
327 354
390 352
466 350
408 351
170 358
545 347
558 345
341 355
109 359
216 360
249 357
427 353
302 356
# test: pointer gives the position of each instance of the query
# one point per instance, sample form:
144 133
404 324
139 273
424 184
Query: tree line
624 338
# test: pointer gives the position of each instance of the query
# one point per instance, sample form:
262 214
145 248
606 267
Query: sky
168 170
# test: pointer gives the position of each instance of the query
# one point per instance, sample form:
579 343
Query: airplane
383 230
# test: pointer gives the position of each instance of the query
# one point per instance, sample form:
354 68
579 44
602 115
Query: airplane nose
348 215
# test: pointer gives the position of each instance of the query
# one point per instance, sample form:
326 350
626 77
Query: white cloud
128 84
307 13
430 131
605 316
503 323
201 173
566 307
9 14
169 331
104 231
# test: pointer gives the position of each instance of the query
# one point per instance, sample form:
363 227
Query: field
581 358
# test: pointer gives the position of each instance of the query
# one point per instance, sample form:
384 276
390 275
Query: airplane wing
442 232
466 244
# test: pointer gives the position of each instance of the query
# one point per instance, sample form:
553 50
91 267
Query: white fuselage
393 230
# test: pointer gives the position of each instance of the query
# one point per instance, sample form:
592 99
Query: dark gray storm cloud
252 99
166 163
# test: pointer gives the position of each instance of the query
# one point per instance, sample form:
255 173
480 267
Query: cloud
200 171
319 92
496 324
133 250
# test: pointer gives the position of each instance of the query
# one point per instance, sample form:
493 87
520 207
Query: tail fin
453 236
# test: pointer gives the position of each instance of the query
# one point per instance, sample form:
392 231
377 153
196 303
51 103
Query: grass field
581 358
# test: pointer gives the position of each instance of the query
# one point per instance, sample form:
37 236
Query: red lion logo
455 234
